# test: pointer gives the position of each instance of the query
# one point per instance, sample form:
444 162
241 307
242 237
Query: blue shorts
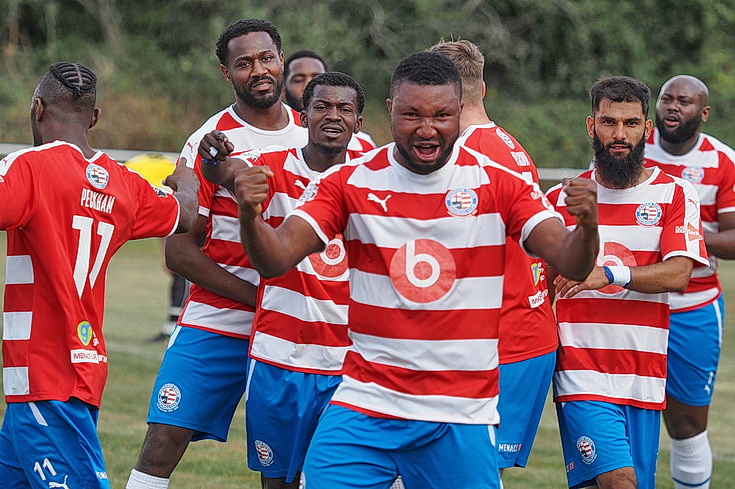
524 386
695 340
349 446
281 412
597 437
200 382
51 444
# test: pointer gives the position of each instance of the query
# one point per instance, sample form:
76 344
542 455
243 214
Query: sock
398 484
140 480
691 462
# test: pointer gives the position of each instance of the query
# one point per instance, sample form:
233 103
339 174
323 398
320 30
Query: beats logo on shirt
332 262
615 254
422 271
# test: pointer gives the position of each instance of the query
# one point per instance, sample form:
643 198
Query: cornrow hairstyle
334 79
426 68
240 28
71 84
303 53
620 89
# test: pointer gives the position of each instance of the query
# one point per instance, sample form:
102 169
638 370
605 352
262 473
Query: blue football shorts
695 341
282 409
524 387
47 444
200 382
597 437
349 446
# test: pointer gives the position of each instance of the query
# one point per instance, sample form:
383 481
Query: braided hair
72 85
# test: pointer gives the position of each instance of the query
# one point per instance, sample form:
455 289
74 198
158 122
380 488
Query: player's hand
581 201
251 190
215 146
182 177
566 288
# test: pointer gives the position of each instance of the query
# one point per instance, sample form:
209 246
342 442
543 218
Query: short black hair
240 28
426 68
334 79
71 84
303 53
620 89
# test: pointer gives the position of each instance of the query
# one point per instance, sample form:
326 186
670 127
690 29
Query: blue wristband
210 162
608 274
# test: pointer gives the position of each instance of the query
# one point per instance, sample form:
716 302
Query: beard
296 103
686 129
619 172
260 101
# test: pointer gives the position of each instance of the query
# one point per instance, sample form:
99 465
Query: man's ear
226 73
96 114
649 128
38 108
591 126
358 124
304 122
705 113
389 103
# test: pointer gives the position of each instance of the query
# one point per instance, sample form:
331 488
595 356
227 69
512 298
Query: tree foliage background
159 77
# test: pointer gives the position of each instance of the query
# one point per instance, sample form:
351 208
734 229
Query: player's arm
722 243
271 251
185 184
184 257
570 253
217 167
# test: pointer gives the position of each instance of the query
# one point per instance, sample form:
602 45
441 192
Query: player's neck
473 115
271 118
678 149
73 137
320 160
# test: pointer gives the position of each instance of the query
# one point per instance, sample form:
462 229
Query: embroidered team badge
97 176
693 174
586 449
309 193
169 397
461 202
84 332
506 139
265 454
648 214
536 270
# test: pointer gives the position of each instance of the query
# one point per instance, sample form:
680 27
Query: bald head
691 83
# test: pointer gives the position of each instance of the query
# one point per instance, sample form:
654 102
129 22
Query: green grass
137 294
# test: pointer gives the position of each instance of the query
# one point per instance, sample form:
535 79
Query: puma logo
56 484
299 183
371 197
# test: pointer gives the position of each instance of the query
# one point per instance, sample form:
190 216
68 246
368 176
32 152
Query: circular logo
265 454
169 397
461 202
615 255
84 332
693 174
422 271
648 214
332 262
586 449
97 176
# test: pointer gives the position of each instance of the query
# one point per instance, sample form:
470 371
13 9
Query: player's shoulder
708 141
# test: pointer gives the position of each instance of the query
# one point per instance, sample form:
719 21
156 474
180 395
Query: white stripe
37 414
243 273
439 409
707 193
619 386
428 355
451 232
15 381
18 270
718 315
225 228
466 293
17 325
634 238
280 205
614 337
287 353
624 295
647 192
534 221
691 299
216 319
302 307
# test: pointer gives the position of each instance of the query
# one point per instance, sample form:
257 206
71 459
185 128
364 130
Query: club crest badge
461 202
693 174
648 214
587 449
169 397
97 176
265 454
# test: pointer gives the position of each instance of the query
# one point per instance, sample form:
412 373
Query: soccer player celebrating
424 225
613 326
67 209
679 148
203 373
528 337
300 329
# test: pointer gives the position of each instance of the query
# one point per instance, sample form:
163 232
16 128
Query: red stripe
227 252
657 406
628 311
302 332
312 286
620 362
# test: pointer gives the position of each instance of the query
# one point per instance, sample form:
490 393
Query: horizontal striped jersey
614 340
301 319
205 309
527 322
65 217
426 260
710 167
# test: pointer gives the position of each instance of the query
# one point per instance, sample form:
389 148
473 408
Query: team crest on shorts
169 397
587 450
265 454
693 174
648 214
97 176
461 202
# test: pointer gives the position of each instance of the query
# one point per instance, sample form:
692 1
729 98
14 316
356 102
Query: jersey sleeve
726 188
157 214
682 233
190 155
17 189
323 206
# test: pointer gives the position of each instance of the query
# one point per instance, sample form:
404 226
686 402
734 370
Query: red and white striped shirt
527 322
710 167
426 256
205 309
614 340
301 319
